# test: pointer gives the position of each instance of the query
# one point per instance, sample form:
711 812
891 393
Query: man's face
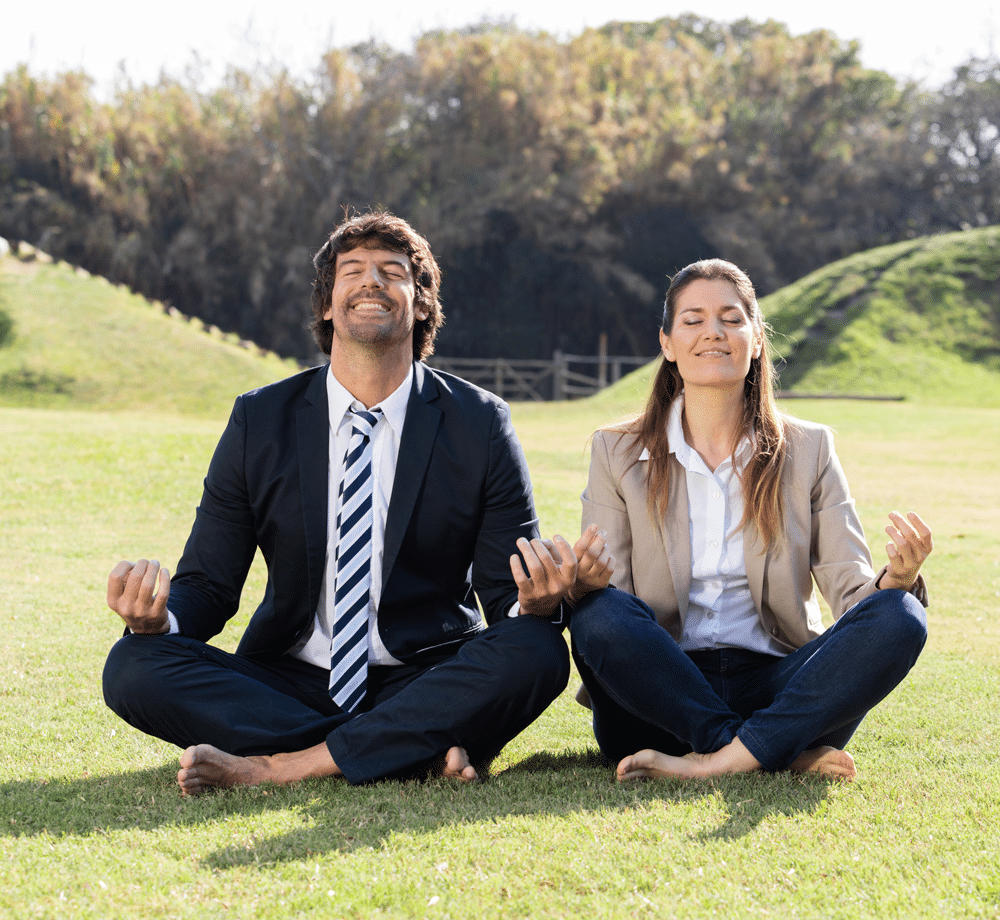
372 300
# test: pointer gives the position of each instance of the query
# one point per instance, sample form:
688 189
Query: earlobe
666 347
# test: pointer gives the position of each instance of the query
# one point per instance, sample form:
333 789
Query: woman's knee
907 618
608 618
900 621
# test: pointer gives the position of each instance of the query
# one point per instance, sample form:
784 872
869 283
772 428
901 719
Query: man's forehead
373 249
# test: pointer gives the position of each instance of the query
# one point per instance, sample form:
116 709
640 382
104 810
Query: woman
708 654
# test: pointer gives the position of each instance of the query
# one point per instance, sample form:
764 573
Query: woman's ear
666 346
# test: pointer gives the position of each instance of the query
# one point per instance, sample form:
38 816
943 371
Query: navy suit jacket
461 497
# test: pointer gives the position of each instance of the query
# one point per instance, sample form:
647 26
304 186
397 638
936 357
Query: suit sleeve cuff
558 617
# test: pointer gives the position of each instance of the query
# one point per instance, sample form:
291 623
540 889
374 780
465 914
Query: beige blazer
823 538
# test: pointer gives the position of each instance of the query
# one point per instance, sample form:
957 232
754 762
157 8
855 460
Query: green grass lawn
92 825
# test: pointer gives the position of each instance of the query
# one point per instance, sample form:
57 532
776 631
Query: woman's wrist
889 581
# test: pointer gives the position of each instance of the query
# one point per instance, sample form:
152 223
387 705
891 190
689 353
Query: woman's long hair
762 421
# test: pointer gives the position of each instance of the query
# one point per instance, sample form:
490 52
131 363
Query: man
385 498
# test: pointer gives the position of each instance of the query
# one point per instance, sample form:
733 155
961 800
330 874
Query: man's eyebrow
402 262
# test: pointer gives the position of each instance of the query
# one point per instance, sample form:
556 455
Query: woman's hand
595 564
910 544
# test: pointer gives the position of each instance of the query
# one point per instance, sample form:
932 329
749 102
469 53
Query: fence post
602 361
558 375
498 377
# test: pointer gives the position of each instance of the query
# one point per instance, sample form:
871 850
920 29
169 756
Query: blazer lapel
755 558
312 432
675 530
415 445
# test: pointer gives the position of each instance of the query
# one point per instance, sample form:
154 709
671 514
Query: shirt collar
393 406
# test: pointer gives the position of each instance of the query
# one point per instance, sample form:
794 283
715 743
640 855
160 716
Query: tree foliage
559 182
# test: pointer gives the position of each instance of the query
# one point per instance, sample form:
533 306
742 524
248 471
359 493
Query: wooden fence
562 377
574 376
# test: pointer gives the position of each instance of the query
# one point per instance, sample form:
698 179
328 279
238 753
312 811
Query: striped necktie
349 646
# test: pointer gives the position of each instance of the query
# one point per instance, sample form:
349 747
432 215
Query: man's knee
132 672
121 672
535 654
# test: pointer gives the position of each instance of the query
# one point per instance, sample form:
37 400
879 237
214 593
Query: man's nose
372 277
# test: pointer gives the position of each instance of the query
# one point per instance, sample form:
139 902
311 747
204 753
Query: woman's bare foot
826 761
204 766
457 766
733 758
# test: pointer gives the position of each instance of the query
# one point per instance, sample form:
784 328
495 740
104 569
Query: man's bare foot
647 764
826 761
204 766
457 766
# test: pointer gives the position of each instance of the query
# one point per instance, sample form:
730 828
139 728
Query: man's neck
369 375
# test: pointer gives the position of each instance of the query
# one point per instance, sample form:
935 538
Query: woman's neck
712 422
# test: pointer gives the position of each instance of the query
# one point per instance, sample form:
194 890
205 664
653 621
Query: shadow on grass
337 817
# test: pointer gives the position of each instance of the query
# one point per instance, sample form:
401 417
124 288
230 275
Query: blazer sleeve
508 513
205 590
840 560
605 505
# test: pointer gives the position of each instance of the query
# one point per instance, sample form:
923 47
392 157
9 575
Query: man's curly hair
379 230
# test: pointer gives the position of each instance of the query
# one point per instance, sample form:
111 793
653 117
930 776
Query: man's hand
595 564
551 572
911 543
138 594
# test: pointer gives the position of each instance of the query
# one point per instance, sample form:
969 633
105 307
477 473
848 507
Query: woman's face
712 340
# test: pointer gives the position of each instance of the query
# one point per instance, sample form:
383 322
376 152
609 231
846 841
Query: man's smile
371 305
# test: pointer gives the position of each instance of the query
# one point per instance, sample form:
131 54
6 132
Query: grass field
92 825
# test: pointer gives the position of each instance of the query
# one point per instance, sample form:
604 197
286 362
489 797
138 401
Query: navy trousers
188 692
646 692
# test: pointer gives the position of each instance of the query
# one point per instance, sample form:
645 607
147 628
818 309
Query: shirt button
710 614
715 543
716 495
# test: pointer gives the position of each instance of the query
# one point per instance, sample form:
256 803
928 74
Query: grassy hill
919 319
79 342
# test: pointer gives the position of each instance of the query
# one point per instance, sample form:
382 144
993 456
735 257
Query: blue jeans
648 693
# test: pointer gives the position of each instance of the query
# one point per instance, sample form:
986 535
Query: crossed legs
661 714
243 723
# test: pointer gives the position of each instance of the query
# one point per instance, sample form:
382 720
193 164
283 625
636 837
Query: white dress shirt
385 449
721 610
